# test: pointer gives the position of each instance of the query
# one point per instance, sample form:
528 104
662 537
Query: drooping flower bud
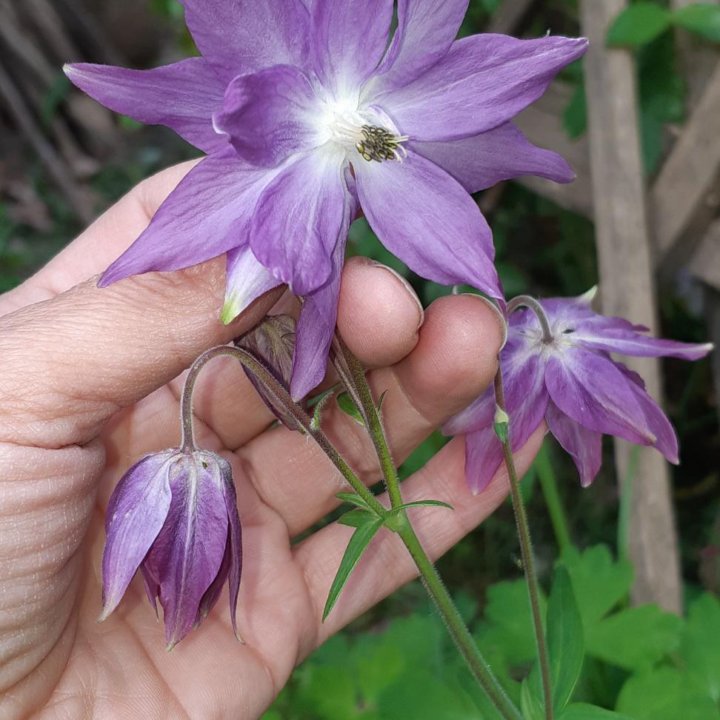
174 516
273 343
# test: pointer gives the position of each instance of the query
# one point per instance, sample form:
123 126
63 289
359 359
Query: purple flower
174 516
570 380
308 109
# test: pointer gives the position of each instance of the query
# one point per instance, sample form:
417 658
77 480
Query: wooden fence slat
626 282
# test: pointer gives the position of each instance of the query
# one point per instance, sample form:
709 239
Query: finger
454 360
371 296
386 565
110 235
69 363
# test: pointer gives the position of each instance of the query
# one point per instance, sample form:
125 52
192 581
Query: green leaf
583 711
353 499
531 706
700 18
356 518
700 645
565 639
425 503
507 631
347 405
638 25
665 694
422 696
636 638
358 543
599 582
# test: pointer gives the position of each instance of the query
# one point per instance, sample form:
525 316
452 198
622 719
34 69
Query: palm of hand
68 444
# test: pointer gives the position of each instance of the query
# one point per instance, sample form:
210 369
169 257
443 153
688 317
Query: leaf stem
526 551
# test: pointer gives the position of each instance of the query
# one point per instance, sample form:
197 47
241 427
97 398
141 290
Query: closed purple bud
174 516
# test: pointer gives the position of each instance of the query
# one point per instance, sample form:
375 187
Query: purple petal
316 324
247 280
212 594
619 336
503 153
135 514
188 553
592 391
268 115
428 220
479 414
244 36
298 220
483 457
585 446
666 439
481 83
182 96
426 30
350 40
206 215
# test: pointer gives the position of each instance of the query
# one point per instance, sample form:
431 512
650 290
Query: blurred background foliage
398 650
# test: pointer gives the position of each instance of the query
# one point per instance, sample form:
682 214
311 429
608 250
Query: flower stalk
526 550
431 579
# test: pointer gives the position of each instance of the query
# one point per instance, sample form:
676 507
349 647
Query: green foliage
701 18
638 24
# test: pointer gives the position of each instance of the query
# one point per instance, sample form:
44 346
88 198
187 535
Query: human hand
90 382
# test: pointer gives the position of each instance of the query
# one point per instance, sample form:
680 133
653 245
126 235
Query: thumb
67 364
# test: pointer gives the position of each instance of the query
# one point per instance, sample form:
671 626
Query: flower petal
503 153
298 220
244 36
483 457
316 324
482 82
592 391
247 280
425 32
235 548
188 553
268 115
350 40
666 439
585 446
206 215
428 220
135 514
620 336
182 96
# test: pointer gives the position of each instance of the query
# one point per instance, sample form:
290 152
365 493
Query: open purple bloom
174 516
570 380
308 109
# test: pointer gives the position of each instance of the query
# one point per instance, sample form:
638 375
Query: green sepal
356 547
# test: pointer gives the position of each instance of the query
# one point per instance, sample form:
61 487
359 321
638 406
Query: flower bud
174 516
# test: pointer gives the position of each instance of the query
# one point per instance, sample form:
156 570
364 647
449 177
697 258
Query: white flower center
342 123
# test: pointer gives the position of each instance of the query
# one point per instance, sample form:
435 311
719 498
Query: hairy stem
526 550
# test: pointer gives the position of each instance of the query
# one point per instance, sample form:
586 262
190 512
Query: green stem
548 482
528 559
459 632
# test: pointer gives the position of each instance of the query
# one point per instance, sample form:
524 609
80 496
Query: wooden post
626 282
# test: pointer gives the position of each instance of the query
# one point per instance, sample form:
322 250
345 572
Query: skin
90 380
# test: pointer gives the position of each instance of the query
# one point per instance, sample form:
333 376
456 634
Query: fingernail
407 287
498 316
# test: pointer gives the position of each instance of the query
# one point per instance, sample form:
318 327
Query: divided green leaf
700 18
638 25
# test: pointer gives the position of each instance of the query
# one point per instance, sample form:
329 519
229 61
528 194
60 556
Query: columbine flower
174 516
306 109
567 378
